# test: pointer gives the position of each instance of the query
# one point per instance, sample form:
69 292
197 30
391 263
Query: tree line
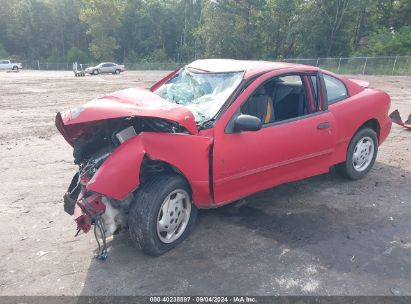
181 30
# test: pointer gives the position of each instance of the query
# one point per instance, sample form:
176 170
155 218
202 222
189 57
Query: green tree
67 30
75 54
278 27
401 14
387 42
181 30
103 19
149 25
28 30
3 52
229 29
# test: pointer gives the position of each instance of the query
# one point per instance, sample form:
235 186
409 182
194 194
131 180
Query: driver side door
246 162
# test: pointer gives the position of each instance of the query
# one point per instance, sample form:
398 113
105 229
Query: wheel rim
363 154
173 216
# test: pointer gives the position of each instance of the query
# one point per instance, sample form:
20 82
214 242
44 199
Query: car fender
119 175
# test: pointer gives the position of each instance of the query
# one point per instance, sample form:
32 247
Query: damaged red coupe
209 134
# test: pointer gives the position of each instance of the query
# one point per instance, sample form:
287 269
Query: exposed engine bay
95 143
103 137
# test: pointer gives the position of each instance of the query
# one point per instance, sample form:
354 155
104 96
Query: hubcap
363 154
173 216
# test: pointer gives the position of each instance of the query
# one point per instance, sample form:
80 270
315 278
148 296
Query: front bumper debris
70 198
92 208
396 118
69 203
87 210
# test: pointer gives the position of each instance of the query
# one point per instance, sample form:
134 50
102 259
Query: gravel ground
319 236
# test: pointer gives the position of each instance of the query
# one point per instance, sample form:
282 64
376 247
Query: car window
335 89
279 99
202 93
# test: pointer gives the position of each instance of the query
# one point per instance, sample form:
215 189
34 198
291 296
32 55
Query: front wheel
15 68
162 215
117 72
361 155
95 72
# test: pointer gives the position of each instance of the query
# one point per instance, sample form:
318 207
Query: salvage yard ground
319 236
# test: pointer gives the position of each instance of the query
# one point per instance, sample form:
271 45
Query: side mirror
247 123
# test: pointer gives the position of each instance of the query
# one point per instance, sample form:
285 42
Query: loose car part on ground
396 118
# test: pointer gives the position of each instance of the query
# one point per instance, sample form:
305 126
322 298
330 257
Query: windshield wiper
207 124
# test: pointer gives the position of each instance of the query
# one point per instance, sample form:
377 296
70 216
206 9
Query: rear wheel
361 155
162 215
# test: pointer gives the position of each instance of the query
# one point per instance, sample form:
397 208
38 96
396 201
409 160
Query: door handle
324 125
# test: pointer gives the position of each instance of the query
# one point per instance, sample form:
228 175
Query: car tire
15 68
361 155
117 72
151 221
95 72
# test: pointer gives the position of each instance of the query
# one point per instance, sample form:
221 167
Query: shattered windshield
202 93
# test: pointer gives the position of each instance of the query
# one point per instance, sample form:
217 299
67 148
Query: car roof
251 67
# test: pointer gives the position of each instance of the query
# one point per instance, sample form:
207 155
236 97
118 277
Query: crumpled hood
128 103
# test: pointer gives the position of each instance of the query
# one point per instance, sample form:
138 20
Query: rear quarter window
335 89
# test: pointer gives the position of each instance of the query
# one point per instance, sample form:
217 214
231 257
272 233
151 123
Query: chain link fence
394 65
68 66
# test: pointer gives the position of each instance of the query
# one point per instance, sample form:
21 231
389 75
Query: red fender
119 174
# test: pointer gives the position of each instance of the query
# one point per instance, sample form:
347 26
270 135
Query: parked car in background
105 67
210 134
8 65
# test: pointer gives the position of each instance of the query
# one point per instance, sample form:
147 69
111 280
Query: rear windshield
202 93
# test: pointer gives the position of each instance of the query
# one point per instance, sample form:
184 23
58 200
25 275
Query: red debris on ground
396 118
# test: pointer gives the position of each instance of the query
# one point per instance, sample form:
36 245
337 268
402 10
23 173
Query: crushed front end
109 157
106 136
100 193
89 209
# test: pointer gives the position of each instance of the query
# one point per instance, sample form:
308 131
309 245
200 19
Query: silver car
105 67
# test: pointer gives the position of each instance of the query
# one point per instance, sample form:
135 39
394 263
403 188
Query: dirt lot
322 236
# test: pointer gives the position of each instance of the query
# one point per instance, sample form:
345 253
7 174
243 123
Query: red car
210 134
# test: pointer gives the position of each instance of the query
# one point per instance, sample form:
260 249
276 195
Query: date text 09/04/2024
203 299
